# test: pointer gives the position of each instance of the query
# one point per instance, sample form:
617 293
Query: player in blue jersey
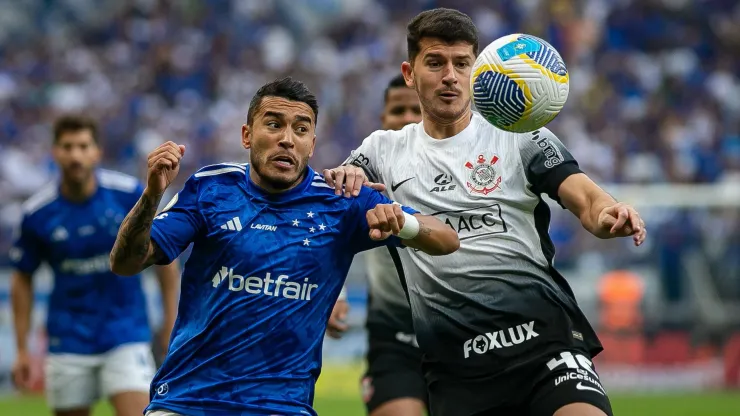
97 326
272 245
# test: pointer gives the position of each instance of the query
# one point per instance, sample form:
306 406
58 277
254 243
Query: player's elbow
450 242
122 268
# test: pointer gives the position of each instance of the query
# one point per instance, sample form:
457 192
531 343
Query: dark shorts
393 372
536 388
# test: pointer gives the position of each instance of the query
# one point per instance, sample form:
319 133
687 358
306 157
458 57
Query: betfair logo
255 285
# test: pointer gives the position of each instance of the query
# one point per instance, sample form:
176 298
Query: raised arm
134 249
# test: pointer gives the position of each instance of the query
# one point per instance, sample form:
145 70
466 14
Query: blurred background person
97 326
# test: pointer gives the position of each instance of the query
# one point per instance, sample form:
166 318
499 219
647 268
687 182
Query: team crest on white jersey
484 177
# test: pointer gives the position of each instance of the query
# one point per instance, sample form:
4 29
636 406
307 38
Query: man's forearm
133 250
22 302
434 238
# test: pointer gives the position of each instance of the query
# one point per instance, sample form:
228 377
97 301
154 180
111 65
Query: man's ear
313 146
246 136
408 74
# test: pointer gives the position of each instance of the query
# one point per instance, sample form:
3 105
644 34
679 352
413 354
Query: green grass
337 394
663 405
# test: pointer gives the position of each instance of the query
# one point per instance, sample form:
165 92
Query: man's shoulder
224 173
118 181
42 201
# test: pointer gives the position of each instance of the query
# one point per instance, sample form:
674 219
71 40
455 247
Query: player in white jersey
393 384
499 327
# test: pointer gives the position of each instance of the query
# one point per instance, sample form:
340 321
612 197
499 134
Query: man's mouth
448 95
283 161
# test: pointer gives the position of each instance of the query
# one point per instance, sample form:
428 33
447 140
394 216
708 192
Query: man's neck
79 192
440 129
267 187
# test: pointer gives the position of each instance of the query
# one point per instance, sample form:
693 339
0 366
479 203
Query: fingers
624 220
635 220
372 220
378 235
329 177
339 179
383 221
167 155
622 217
351 178
640 236
357 184
377 186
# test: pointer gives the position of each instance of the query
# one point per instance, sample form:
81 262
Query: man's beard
278 183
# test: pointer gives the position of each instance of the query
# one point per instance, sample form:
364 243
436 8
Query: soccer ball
519 83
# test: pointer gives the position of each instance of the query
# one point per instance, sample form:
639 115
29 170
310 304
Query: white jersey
497 300
388 310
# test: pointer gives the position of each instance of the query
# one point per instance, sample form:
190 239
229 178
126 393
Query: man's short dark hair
397 82
73 123
446 24
287 88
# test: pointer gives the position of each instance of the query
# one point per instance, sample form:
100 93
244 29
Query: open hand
352 178
623 220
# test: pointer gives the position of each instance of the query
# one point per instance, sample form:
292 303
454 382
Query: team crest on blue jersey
484 177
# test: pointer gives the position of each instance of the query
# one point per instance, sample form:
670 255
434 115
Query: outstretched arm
422 232
599 212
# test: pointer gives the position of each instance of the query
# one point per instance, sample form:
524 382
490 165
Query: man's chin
77 177
281 180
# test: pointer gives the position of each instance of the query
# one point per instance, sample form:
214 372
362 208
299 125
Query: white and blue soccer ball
519 83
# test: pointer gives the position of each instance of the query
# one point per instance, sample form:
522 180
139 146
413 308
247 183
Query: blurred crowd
655 91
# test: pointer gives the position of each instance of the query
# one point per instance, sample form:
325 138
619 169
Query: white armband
343 294
410 227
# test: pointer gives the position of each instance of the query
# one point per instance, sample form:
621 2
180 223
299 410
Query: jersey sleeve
547 162
368 157
360 231
179 223
26 254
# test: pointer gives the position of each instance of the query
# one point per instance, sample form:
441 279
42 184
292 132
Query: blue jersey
91 310
257 290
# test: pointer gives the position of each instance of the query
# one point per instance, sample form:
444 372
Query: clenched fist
163 166
384 220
